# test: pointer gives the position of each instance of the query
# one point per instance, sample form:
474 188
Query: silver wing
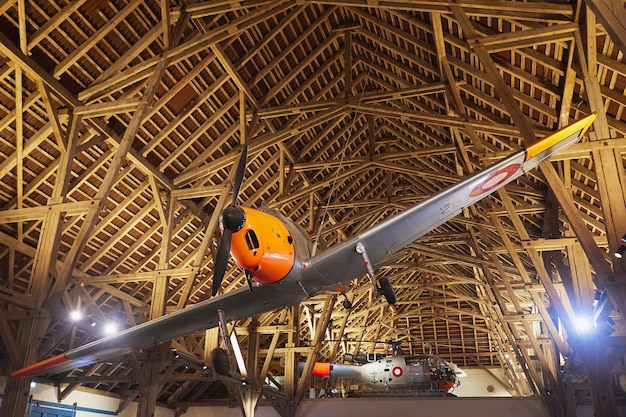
334 266
342 262
237 304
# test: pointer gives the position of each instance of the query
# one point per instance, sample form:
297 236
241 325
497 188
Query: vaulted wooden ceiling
120 121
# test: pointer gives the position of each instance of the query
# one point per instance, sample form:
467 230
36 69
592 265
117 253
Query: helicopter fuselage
428 373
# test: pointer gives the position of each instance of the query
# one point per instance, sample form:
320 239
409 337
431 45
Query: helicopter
395 371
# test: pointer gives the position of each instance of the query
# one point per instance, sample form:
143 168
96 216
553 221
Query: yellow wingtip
541 145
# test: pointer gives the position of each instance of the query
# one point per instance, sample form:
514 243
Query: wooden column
17 390
251 392
147 374
288 408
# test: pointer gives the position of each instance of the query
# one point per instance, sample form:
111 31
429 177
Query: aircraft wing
338 264
396 232
236 305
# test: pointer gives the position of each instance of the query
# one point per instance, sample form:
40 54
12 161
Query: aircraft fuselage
428 373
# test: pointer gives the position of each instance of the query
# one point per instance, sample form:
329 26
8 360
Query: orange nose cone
263 247
321 369
246 249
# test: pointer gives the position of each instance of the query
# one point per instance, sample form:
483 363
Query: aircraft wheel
220 362
386 289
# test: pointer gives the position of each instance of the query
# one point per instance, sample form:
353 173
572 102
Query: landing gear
347 304
220 361
382 285
384 288
221 357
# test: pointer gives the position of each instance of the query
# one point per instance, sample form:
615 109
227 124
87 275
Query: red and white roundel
495 179
396 371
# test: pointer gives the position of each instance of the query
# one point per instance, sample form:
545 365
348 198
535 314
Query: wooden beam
110 108
613 17
74 208
81 50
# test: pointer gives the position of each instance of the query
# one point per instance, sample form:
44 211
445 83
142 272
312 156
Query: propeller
232 220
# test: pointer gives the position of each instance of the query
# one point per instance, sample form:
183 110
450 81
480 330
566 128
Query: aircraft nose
233 218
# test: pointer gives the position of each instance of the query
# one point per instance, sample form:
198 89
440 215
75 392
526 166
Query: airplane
276 256
394 372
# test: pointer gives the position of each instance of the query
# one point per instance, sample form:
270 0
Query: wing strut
220 358
384 287
223 328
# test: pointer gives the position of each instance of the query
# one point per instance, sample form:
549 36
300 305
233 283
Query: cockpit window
252 240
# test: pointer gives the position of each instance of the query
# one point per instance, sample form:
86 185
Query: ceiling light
76 315
624 238
583 324
619 254
110 328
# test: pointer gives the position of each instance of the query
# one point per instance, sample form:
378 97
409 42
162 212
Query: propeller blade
221 260
241 170
231 219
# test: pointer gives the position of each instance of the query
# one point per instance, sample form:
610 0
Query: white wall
43 392
414 407
479 383
265 411
424 407
131 411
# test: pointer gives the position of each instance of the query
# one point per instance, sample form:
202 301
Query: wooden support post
322 324
289 406
149 382
249 398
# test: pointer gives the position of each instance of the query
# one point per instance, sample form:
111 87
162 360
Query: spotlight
583 324
624 238
110 328
620 251
188 361
76 315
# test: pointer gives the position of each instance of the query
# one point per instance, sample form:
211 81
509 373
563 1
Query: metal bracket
360 248
231 346
249 279
223 327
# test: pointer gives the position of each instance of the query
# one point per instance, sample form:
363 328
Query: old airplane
279 266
